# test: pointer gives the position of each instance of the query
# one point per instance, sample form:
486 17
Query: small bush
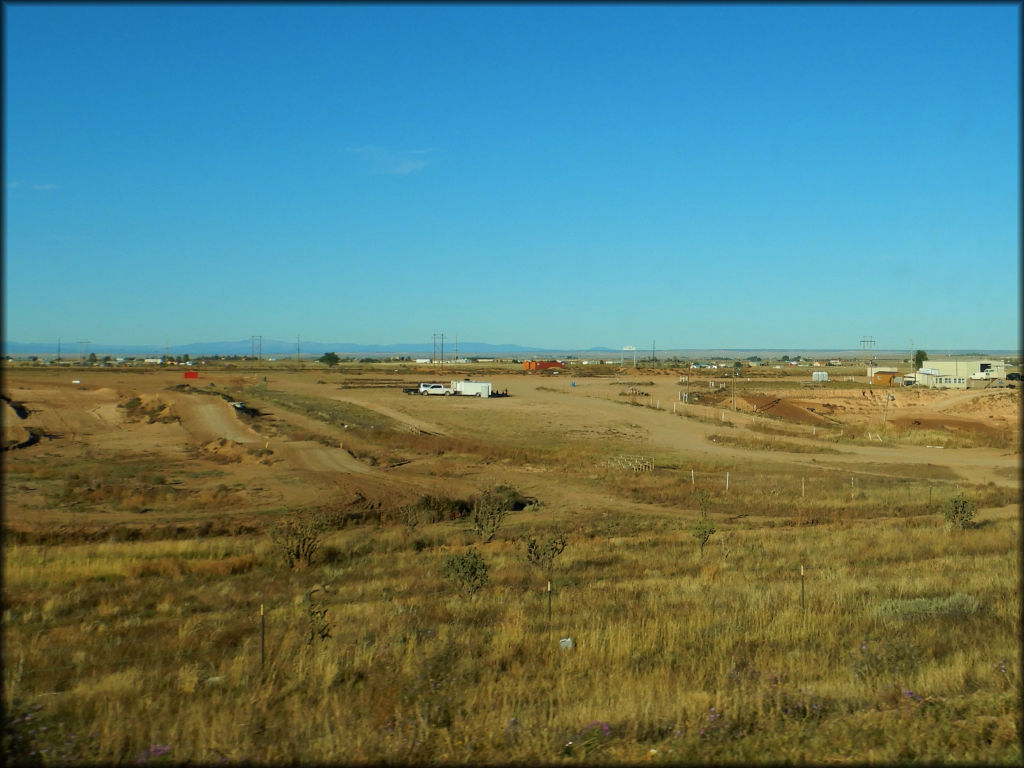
317 625
541 554
489 512
433 509
468 571
890 661
703 529
955 606
297 538
958 512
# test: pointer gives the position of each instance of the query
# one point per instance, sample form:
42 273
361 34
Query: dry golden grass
832 617
698 659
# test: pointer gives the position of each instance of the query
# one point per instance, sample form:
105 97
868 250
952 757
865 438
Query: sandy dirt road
205 440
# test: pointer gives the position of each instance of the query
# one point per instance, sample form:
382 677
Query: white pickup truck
435 389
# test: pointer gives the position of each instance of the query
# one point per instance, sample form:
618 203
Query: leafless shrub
297 537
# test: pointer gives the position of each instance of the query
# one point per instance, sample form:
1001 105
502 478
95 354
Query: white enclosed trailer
472 388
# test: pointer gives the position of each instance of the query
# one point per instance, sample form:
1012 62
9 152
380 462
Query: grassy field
833 615
727 657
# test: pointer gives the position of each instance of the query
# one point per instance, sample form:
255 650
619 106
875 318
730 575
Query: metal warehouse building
958 374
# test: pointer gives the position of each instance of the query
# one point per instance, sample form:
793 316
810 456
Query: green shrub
893 660
958 512
955 606
702 531
468 572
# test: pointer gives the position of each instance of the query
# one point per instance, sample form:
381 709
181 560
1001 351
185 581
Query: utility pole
256 343
58 349
442 352
298 349
83 347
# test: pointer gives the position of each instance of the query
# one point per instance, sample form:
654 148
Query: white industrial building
959 374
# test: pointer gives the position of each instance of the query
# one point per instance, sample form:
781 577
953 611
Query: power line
433 359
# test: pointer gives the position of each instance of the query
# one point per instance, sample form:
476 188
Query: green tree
329 359
919 357
92 357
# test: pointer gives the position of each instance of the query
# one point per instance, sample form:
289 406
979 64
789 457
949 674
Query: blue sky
564 176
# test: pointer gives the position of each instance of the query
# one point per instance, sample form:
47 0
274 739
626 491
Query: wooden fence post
801 587
549 610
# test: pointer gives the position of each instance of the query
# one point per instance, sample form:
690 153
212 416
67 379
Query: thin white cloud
394 162
408 166
34 187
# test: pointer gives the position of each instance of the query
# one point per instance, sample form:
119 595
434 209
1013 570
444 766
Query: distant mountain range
314 349
277 348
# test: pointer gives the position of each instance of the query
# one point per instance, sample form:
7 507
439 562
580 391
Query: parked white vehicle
435 389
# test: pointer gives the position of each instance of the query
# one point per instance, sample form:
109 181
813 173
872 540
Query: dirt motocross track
123 444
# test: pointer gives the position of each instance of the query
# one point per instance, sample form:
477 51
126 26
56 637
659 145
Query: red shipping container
191 374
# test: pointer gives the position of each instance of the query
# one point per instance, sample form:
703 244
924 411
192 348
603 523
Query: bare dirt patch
790 410
948 423
313 437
